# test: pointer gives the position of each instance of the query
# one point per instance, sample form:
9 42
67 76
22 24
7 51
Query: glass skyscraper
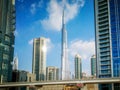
93 65
39 58
107 20
78 67
7 28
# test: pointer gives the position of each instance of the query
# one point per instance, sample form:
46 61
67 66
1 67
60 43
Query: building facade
78 67
39 58
93 66
22 76
52 73
107 27
7 29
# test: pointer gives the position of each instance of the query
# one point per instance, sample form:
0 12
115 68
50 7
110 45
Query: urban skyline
78 41
105 65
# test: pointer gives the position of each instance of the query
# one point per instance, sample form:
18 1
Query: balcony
104 28
104 72
103 21
104 69
104 24
104 41
102 4
103 16
101 1
105 59
105 63
13 21
103 32
105 50
102 12
103 37
109 73
102 55
102 8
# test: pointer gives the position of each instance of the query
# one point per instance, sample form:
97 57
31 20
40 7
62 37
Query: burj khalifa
64 54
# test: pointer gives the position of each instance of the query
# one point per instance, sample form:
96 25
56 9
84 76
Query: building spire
63 17
64 56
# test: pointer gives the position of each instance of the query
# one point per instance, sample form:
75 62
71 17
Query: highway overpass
62 82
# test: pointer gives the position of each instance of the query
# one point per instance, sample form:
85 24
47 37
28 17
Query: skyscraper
78 67
64 56
39 58
7 28
93 65
107 21
15 63
52 73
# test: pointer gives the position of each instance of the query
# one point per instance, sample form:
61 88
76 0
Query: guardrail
62 82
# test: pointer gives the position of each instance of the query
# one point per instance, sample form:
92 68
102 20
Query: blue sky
42 18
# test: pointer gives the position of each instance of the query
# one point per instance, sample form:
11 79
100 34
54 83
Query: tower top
63 22
77 56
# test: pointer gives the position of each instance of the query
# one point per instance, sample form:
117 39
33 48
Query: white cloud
53 22
33 8
40 3
81 2
30 42
49 44
85 48
55 9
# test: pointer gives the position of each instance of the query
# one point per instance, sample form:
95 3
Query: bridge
62 82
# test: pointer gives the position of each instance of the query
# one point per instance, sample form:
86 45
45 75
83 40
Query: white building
65 73
39 58
52 73
15 63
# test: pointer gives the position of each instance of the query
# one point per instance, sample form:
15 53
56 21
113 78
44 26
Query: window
0 33
6 48
5 56
4 66
7 38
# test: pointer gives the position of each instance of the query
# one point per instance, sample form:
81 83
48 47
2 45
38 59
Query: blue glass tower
107 28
